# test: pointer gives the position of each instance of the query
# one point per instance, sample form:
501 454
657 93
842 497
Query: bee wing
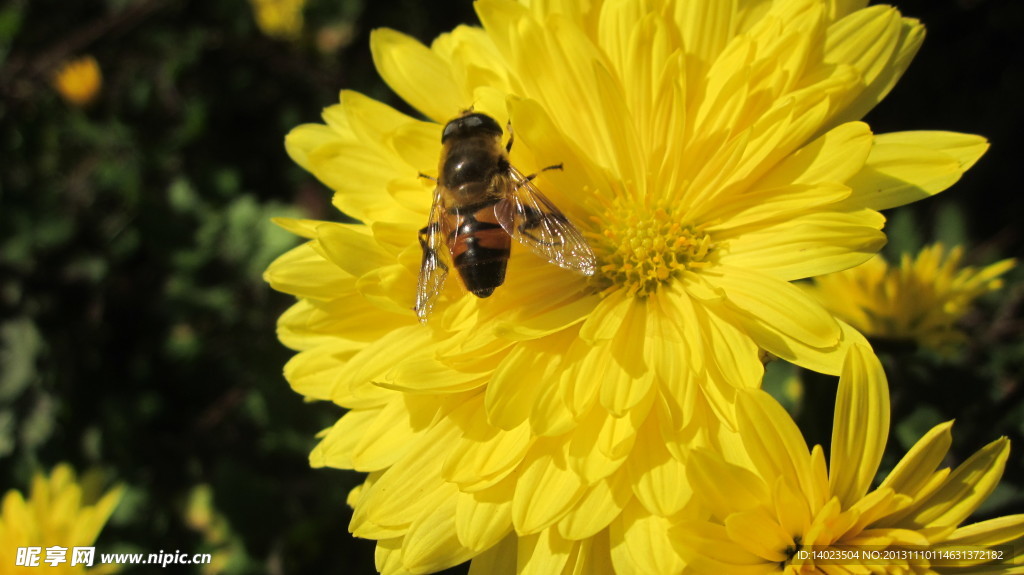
529 217
435 264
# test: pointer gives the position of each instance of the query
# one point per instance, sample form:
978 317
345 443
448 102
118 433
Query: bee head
471 124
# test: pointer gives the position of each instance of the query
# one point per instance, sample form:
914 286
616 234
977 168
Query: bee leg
428 252
552 167
511 136
534 217
532 220
526 179
431 178
508 148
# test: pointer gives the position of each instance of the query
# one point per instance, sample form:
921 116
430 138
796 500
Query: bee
481 203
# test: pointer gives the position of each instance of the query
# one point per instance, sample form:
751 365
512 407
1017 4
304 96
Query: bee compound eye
482 123
449 129
474 124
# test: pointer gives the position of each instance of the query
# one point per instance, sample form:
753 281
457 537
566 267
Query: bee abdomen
480 251
482 277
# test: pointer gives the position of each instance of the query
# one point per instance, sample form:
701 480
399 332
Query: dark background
137 335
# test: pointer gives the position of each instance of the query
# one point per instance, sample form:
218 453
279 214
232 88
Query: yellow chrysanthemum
79 81
921 301
279 18
711 155
770 498
60 511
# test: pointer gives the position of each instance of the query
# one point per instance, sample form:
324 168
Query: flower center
642 247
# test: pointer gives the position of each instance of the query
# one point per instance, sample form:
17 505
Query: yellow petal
545 319
641 543
860 427
840 8
627 381
387 556
372 363
606 318
574 85
432 544
498 560
658 478
734 359
518 381
709 550
919 464
594 556
544 553
765 204
675 350
965 488
639 45
602 502
809 245
303 272
348 316
335 449
874 506
546 489
832 158
543 143
475 64
773 441
966 148
306 139
538 299
705 27
602 442
909 166
484 517
791 508
723 487
299 226
754 155
760 534
352 248
827 360
428 375
578 375
867 40
418 75
485 454
911 36
551 415
409 488
396 427
291 328
990 532
314 373
359 174
779 306
596 371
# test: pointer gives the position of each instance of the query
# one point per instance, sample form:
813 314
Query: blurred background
137 336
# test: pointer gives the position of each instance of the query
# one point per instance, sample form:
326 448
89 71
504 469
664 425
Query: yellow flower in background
280 19
79 81
225 547
770 498
60 511
712 155
920 301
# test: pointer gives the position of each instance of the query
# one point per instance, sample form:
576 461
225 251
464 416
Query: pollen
643 247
